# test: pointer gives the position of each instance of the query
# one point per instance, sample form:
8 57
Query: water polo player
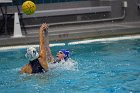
37 61
62 55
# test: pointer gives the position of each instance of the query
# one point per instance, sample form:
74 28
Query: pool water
99 67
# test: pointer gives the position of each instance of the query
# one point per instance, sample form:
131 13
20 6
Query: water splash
68 65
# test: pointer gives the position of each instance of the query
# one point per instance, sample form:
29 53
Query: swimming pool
101 66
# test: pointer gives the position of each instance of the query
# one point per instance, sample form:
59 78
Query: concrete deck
75 31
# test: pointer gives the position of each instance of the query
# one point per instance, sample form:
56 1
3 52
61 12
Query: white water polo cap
31 54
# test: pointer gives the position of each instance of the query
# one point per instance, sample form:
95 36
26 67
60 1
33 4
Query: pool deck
75 31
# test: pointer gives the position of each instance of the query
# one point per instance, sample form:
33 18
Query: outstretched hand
43 27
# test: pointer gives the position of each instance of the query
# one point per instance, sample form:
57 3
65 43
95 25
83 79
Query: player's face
60 55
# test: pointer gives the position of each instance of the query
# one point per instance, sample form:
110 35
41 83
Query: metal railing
45 1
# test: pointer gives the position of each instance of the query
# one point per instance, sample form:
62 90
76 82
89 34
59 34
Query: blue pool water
101 66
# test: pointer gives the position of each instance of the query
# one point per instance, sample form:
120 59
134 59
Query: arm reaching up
49 54
42 53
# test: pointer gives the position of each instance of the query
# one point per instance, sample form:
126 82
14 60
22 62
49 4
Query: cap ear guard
67 53
31 54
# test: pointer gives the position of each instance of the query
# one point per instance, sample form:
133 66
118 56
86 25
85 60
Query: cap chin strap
62 60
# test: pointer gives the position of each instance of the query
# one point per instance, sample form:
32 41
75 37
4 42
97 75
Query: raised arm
49 54
42 49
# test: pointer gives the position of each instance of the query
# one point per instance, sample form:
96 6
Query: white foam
12 70
104 40
69 65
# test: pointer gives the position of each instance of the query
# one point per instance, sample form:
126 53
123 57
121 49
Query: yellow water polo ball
28 7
